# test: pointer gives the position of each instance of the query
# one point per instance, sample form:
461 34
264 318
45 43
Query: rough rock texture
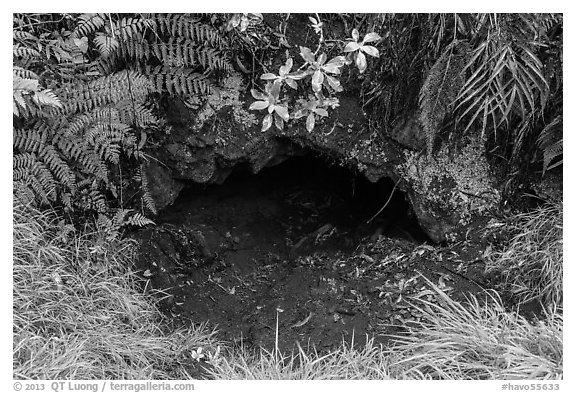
205 145
162 186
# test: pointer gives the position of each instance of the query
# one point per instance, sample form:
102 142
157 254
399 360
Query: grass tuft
79 313
531 260
367 362
479 340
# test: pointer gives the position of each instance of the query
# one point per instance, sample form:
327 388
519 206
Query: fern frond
441 88
21 35
138 220
20 51
184 52
189 27
136 113
89 23
92 198
35 175
29 99
107 90
79 123
128 28
29 140
147 199
178 80
551 142
46 97
106 44
550 153
58 167
23 73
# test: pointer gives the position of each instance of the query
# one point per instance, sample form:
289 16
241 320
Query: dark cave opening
304 196
293 237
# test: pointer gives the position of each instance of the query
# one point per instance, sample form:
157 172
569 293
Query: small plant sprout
214 356
197 354
285 75
357 49
319 69
270 100
316 25
311 108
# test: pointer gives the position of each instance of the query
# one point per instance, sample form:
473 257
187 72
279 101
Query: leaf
285 69
333 66
278 122
299 113
370 50
274 90
297 75
351 47
361 62
46 97
268 76
334 83
313 20
307 54
81 43
371 37
259 105
355 35
322 59
317 79
310 120
291 82
321 112
338 61
282 111
258 95
244 24
266 122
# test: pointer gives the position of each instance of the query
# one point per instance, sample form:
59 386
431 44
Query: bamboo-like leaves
506 78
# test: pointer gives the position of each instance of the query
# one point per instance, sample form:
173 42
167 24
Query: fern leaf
46 97
147 199
178 80
440 89
57 166
138 220
127 28
29 140
551 142
21 35
107 90
35 175
19 51
23 73
89 23
106 44
136 113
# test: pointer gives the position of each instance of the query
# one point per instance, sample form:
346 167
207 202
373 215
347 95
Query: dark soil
291 254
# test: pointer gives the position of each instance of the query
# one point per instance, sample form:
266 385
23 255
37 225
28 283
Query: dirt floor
293 254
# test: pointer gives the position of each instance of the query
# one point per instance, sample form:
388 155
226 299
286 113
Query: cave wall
447 191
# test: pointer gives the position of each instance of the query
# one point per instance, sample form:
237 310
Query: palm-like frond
506 80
